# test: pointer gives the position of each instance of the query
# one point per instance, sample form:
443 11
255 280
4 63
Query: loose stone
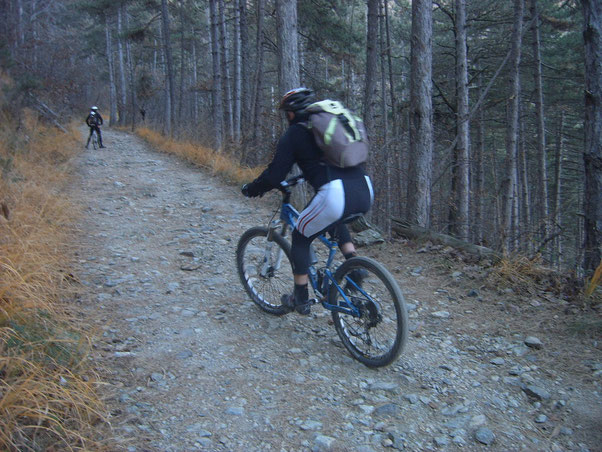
484 436
536 392
533 342
323 443
441 314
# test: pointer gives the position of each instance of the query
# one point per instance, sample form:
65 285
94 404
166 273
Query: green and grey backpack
339 133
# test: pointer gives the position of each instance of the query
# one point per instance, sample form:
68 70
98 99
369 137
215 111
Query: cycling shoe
303 308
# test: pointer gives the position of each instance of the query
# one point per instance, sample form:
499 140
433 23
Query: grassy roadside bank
48 396
220 164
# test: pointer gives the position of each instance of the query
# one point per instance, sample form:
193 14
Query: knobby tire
379 336
265 289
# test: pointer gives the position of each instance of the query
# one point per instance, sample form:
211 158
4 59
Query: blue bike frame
289 215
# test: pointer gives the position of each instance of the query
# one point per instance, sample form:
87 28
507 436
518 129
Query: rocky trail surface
191 364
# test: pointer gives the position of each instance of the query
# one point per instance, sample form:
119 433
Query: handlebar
286 185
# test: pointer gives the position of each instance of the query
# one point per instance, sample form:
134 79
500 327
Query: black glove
251 190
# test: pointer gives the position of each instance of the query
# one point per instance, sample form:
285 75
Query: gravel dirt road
192 364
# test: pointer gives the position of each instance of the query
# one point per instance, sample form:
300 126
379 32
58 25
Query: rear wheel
378 335
265 269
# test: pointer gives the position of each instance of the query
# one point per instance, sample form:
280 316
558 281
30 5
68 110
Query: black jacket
298 145
94 119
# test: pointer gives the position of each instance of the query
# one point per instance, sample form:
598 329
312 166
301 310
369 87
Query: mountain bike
370 317
94 139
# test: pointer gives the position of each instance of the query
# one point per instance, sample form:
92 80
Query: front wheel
265 268
378 335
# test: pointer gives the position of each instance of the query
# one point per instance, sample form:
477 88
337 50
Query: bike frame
288 218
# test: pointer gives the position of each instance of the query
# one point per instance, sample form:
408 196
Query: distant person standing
94 121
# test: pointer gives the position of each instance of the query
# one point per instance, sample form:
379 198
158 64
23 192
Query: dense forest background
475 110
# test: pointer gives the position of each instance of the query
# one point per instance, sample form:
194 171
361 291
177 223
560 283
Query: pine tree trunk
459 220
421 115
195 84
288 52
223 44
166 97
509 182
246 76
557 225
542 177
524 222
121 107
479 178
131 72
516 213
371 65
257 90
394 116
216 90
237 72
182 66
112 87
592 155
384 158
170 72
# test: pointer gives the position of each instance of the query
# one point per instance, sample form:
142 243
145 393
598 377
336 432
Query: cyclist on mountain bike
94 120
340 193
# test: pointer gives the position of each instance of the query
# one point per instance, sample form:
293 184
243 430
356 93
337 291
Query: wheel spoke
377 336
265 269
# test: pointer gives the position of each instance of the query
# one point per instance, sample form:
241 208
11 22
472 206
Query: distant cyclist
94 120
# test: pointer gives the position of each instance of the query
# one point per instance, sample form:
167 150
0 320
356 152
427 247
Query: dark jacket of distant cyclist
93 121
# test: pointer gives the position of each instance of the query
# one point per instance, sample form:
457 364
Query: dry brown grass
528 276
594 282
48 396
221 164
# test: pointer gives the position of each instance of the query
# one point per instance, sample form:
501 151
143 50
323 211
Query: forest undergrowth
48 392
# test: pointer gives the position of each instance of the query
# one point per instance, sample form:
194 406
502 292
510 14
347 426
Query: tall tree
170 83
288 51
592 155
244 60
183 30
122 105
258 79
225 70
556 214
112 87
459 220
421 115
479 175
371 65
237 71
510 176
216 89
542 174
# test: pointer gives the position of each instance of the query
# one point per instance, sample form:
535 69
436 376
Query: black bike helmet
297 99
